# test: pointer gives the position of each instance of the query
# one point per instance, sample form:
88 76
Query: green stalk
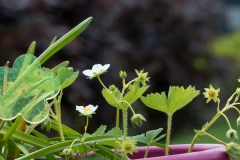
116 134
146 152
10 131
169 123
86 126
216 139
125 124
58 115
197 136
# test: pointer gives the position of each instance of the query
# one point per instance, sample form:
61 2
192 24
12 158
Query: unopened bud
231 134
123 74
238 91
112 88
233 149
238 121
137 119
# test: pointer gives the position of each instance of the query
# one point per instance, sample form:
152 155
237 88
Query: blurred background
178 42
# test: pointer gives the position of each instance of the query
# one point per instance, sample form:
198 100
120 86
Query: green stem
146 152
168 134
125 124
86 126
58 115
98 77
216 139
229 125
11 131
198 135
116 134
235 107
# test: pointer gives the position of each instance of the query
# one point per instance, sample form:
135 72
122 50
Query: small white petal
97 68
92 107
105 67
88 73
80 108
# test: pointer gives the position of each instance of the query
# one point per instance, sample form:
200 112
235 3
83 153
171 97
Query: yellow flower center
128 146
86 110
211 94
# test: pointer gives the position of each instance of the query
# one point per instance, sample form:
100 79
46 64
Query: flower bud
68 153
231 134
238 121
137 119
112 88
233 149
238 91
123 74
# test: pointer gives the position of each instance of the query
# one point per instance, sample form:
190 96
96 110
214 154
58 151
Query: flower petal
97 68
88 73
80 109
105 67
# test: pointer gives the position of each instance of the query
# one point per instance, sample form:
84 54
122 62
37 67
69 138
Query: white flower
97 69
88 110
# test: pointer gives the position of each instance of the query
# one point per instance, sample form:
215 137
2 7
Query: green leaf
21 147
53 40
1 158
66 76
66 130
63 64
24 137
106 152
134 92
150 138
25 88
178 97
156 101
11 130
31 48
100 131
62 145
112 132
140 138
112 97
95 156
159 145
152 134
68 37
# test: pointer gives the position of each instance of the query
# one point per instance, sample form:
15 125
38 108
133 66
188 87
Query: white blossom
96 70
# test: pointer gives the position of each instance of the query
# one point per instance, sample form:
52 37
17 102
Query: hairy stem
125 124
116 134
169 123
146 152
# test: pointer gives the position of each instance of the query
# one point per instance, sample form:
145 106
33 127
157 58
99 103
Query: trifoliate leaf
63 64
178 97
150 138
100 131
134 92
66 76
112 132
111 96
152 134
156 101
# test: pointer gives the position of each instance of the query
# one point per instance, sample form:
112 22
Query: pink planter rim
179 152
